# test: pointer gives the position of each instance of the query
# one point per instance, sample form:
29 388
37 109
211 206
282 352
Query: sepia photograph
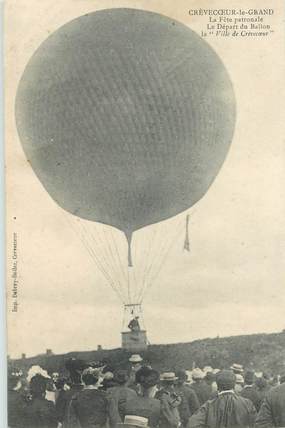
145 206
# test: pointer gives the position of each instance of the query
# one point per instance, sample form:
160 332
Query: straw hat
168 376
135 358
239 379
237 368
134 421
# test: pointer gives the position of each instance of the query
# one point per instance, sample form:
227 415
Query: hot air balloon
126 117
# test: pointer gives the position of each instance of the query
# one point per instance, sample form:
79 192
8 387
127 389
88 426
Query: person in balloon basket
190 402
145 405
90 407
227 409
170 401
75 368
134 324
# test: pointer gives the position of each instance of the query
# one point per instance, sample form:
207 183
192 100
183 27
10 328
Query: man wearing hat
145 405
136 361
136 364
170 401
210 379
38 411
121 393
90 407
239 383
249 390
75 368
227 410
201 388
190 402
262 388
272 410
237 368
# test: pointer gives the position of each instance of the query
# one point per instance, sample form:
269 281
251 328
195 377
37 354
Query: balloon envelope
126 117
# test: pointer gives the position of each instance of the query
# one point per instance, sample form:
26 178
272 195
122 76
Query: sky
231 282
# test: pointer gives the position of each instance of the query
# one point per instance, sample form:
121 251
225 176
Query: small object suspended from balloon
187 241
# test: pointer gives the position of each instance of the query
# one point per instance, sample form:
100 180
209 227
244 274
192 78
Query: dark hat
261 383
147 377
99 364
60 382
75 365
121 377
226 379
210 377
95 364
108 369
38 384
181 375
249 377
266 376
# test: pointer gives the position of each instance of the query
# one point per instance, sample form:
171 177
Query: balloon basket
134 340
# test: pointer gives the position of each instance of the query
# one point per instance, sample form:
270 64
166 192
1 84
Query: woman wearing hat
15 399
90 407
170 401
75 368
145 405
38 411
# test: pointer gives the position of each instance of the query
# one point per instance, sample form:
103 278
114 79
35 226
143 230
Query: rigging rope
151 249
95 259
